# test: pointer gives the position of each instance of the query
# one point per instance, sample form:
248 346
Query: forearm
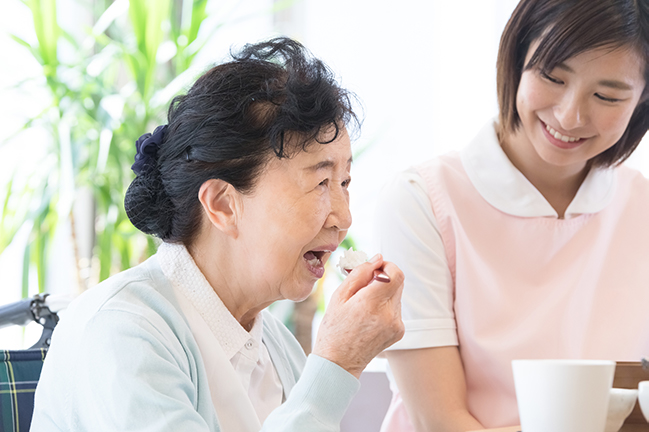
318 401
432 386
460 420
443 418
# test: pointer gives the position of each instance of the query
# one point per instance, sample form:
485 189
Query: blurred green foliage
106 88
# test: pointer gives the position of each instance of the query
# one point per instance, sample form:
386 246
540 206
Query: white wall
425 71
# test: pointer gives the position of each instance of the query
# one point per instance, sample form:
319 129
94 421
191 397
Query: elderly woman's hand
363 317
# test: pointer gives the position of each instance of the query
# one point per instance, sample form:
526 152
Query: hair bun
148 206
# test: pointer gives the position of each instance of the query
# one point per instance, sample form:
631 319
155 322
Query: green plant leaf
117 56
21 41
70 39
280 5
197 18
147 17
33 50
6 232
47 32
38 251
114 11
25 272
106 247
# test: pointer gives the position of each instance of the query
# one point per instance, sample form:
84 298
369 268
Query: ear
221 204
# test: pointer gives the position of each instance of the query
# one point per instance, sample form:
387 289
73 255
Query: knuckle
399 276
400 332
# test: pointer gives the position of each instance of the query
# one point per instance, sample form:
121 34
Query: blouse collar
503 186
181 270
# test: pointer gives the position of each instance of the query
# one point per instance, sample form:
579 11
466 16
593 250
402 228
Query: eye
607 99
550 78
324 182
346 183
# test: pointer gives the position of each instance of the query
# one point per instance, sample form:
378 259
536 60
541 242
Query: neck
227 279
557 184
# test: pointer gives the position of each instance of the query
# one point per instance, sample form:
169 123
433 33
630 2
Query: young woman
247 188
533 241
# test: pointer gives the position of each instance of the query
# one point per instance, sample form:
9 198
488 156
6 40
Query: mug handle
643 398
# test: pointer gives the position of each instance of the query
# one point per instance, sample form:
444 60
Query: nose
572 111
339 217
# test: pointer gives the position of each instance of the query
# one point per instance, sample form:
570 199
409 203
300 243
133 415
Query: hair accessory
146 150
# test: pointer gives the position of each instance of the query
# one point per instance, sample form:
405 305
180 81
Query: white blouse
246 351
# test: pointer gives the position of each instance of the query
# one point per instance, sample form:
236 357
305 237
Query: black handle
18 313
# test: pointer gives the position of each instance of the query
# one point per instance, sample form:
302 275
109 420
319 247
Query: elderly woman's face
296 217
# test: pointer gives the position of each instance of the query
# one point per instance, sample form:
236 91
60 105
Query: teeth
315 262
558 136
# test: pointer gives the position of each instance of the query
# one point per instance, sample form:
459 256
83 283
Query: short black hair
564 29
273 99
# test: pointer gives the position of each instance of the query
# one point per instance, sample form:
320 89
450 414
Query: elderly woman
247 186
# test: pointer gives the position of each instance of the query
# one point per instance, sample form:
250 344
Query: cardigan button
249 344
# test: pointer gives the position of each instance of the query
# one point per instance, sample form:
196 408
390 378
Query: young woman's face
581 108
296 217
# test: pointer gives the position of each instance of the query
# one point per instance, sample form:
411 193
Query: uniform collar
506 188
181 270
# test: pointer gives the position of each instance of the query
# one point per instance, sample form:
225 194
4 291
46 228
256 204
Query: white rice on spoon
350 260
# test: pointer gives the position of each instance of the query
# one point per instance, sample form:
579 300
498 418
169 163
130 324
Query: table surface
506 429
625 428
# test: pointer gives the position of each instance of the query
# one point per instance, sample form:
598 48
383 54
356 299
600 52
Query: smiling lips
559 136
560 140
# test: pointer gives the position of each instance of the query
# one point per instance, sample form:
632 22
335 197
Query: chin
303 294
559 158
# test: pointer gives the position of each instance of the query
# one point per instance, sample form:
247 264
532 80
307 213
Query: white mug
643 398
620 404
563 395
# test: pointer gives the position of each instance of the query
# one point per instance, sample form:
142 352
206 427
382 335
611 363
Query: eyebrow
325 164
614 84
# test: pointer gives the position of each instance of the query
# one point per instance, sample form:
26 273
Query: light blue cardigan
123 358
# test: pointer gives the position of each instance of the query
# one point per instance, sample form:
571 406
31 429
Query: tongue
309 256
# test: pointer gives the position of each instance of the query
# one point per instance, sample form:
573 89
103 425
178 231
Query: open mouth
315 258
315 261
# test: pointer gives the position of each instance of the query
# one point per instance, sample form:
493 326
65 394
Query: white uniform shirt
409 236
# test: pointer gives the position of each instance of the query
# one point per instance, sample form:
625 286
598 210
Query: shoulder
403 214
140 289
140 300
631 191
126 330
404 187
633 177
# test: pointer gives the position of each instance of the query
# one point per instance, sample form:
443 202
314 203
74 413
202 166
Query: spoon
379 275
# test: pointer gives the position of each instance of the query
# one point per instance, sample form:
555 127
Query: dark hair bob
564 29
272 100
